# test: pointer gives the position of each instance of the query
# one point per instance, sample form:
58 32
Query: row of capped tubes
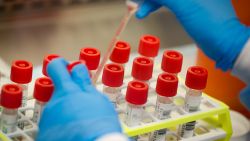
141 71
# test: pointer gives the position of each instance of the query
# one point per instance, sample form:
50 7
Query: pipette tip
132 5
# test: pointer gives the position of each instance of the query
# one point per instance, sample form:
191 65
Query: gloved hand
76 111
211 23
245 97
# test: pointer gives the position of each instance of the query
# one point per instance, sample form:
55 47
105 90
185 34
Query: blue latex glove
245 97
77 111
211 23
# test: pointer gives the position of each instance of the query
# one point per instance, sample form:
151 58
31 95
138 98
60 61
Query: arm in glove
211 23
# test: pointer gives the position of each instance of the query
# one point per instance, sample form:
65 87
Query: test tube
11 100
166 89
172 62
112 80
196 80
42 93
142 69
121 52
21 74
47 59
136 98
91 56
149 46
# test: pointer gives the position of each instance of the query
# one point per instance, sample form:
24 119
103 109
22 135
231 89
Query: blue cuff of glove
241 67
234 48
245 97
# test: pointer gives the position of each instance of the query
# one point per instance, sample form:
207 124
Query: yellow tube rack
212 111
213 115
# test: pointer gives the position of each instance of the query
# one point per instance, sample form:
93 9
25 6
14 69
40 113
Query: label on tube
37 113
8 123
187 129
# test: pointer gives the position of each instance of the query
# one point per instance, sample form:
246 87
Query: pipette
131 9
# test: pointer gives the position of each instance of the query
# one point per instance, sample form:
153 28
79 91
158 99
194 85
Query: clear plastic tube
145 81
113 93
176 74
38 109
192 104
164 106
25 93
91 73
152 58
24 101
8 120
192 100
134 114
123 65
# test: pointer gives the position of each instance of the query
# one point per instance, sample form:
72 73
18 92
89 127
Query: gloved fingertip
57 71
141 14
146 8
54 64
81 76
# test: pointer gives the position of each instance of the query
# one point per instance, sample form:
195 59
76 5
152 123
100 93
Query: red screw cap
196 78
120 53
142 68
21 71
11 96
172 61
73 64
47 59
91 56
167 85
43 89
137 92
113 75
149 45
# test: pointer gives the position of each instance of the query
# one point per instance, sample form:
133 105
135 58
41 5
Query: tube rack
213 117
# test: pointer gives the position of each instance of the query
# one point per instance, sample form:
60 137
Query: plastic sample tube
196 80
11 100
47 59
149 46
136 97
42 93
142 69
166 89
21 74
91 56
121 52
112 80
172 62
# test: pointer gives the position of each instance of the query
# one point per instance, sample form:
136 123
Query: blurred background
30 29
